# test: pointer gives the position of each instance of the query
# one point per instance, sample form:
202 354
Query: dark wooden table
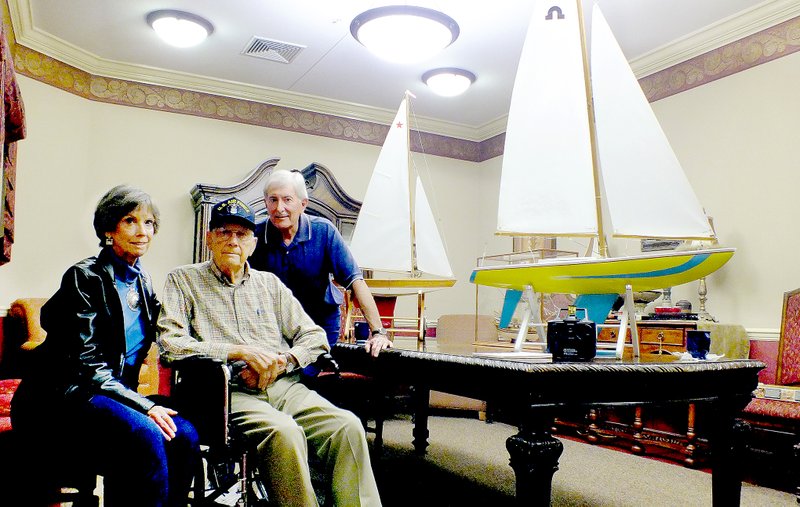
536 391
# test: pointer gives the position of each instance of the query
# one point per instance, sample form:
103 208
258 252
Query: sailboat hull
606 276
407 286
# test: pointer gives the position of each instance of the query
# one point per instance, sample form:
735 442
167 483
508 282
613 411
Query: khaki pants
283 422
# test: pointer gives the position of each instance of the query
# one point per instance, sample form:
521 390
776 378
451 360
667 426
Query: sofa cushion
7 388
762 408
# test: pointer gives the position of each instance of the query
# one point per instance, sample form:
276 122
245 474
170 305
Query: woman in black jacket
80 390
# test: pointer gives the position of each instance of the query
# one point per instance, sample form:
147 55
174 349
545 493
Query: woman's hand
162 416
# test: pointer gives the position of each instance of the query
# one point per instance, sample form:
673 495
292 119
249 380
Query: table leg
421 400
691 438
534 457
725 440
638 436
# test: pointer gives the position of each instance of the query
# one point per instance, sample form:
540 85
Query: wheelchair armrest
193 363
326 363
201 394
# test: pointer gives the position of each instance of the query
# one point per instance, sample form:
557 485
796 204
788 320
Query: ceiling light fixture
178 28
448 82
404 34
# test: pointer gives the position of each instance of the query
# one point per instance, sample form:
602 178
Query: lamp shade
404 34
448 82
178 28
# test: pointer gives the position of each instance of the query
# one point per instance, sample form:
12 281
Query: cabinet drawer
609 334
667 336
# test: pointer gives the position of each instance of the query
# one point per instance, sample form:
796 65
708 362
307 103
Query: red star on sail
399 124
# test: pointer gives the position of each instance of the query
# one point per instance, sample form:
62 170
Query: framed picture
788 367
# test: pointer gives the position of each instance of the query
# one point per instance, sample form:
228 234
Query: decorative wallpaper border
765 46
48 70
762 47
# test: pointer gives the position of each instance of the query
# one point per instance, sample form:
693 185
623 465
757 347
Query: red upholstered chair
774 438
788 370
8 469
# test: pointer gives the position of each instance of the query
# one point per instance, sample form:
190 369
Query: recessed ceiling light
448 82
404 34
178 28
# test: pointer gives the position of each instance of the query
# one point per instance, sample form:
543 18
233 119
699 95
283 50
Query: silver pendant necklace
132 296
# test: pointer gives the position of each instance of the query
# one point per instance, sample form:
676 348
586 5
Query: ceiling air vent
274 50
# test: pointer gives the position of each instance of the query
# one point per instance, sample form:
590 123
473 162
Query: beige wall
77 149
738 140
736 137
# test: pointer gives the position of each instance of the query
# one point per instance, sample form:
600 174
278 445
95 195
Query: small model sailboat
575 145
396 236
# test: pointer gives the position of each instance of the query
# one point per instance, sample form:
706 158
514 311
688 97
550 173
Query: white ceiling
336 75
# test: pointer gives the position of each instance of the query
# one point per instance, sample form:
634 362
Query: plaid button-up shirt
204 313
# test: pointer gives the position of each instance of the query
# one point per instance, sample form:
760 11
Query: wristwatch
379 331
290 366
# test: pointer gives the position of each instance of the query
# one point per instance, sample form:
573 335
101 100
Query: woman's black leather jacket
84 351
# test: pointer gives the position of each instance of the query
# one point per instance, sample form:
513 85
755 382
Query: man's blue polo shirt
316 256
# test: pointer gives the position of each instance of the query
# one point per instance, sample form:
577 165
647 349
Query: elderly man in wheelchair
224 310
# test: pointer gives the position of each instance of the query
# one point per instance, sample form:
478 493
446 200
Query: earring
109 241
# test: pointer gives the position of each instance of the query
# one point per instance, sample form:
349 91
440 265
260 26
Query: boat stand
628 316
530 312
386 310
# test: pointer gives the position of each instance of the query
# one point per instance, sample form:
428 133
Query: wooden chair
456 334
772 441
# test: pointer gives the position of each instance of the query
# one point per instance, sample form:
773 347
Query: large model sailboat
577 146
396 236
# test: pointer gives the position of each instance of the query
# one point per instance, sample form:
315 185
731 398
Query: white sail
646 190
431 255
546 185
382 236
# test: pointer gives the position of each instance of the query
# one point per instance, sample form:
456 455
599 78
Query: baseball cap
232 210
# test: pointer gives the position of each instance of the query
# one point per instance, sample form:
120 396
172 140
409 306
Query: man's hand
377 343
249 377
162 416
266 366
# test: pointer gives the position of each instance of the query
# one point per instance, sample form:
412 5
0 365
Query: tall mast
411 186
601 237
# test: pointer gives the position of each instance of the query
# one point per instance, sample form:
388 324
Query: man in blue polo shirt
307 253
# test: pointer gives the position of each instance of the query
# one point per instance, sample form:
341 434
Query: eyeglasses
227 234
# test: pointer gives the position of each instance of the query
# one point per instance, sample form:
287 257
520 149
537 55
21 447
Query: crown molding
726 31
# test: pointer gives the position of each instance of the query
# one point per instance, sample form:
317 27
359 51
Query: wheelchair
201 392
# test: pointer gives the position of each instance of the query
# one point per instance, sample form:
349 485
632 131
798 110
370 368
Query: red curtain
12 129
